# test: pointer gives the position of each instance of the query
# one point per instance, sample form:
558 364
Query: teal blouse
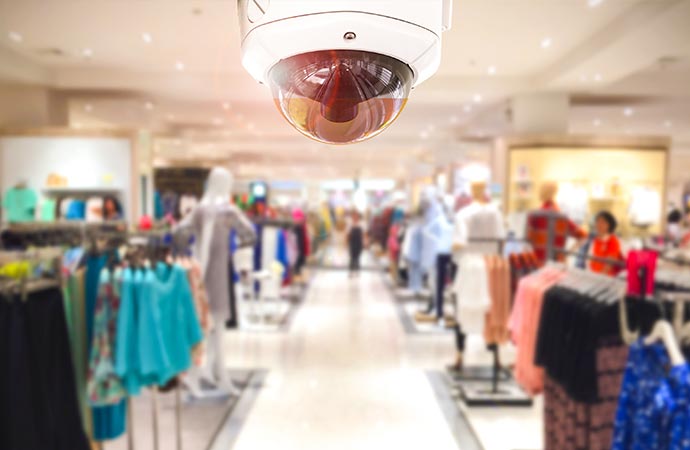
157 327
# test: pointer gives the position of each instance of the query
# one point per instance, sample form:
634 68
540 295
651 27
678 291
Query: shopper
606 244
355 243
111 209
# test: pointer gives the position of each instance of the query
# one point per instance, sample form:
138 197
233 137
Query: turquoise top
157 327
20 204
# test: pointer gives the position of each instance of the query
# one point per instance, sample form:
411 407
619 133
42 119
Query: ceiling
173 67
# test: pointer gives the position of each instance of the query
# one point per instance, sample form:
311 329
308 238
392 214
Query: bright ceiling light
628 112
424 134
668 124
15 37
454 119
491 70
87 53
148 105
467 108
596 122
179 65
477 98
88 107
146 37
226 105
217 121
598 78
171 116
594 3
546 42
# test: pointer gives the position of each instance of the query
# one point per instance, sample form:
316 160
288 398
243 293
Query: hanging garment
178 319
20 205
572 425
75 309
523 325
472 291
654 406
496 323
108 421
140 359
38 402
103 384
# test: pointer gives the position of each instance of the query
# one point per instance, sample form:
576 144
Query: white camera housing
407 30
404 31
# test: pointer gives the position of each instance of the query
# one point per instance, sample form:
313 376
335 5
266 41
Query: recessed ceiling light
171 116
431 128
226 105
77 125
491 70
477 98
250 126
179 65
87 53
546 42
217 121
454 119
584 78
146 37
598 78
627 112
424 134
148 105
596 122
88 107
594 3
15 37
668 124
467 108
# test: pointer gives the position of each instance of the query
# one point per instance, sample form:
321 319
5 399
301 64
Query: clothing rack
95 231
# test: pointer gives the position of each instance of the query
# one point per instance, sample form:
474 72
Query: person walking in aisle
355 244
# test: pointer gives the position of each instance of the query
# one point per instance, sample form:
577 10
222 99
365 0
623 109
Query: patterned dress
104 386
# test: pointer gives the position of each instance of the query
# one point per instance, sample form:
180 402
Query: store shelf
81 190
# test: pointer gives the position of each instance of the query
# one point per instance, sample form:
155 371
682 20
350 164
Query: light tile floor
346 376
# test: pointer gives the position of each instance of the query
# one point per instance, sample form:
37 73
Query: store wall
31 107
609 177
86 162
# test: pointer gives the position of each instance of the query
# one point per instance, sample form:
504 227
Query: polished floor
346 376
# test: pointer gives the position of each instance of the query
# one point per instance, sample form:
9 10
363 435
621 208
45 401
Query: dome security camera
341 71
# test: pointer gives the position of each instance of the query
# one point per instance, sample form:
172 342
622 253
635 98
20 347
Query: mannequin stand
489 386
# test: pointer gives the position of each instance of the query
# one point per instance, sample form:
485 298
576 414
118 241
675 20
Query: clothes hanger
663 332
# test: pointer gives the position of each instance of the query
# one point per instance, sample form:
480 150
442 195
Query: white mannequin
217 197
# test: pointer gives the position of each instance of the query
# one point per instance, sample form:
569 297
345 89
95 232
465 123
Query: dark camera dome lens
340 96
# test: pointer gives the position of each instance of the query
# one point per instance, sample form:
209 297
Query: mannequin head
478 189
548 192
218 186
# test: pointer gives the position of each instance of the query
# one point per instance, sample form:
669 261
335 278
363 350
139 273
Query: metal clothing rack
97 231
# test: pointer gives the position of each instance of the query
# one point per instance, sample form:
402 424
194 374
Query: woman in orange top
606 244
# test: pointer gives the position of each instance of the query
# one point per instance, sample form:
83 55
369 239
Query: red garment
542 222
393 244
638 260
609 248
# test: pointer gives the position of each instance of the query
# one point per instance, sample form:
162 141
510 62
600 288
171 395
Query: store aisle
345 377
